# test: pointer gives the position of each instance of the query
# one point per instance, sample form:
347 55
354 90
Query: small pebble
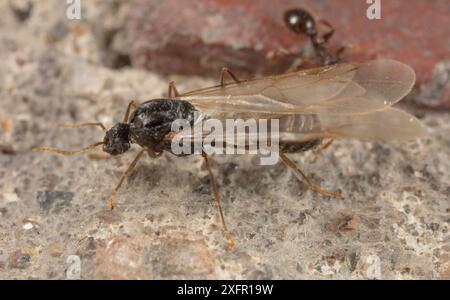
46 199
19 260
28 226
10 197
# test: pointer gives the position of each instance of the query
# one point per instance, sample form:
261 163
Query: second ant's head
300 21
117 139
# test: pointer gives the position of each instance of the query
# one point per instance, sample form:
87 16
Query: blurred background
80 61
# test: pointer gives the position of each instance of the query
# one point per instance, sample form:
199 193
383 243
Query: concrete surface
393 222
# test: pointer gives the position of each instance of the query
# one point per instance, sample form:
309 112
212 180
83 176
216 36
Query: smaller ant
302 22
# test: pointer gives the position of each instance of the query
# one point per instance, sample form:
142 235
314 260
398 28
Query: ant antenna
98 124
72 152
67 152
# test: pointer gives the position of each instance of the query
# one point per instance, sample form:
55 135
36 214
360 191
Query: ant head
300 21
117 139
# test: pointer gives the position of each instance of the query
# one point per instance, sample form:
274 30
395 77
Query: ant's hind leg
231 242
311 184
173 92
125 174
127 112
323 147
224 72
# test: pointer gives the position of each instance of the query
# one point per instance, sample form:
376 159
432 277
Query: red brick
199 37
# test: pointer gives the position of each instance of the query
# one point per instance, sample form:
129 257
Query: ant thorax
152 121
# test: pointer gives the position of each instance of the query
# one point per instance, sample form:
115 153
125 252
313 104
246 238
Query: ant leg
98 124
154 154
127 112
125 174
305 63
224 72
326 36
311 184
231 242
173 90
282 53
323 147
340 51
300 60
99 155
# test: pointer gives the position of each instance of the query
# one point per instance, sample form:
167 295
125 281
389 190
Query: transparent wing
349 88
388 125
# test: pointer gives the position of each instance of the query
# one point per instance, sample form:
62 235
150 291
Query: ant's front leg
129 170
229 236
323 147
224 72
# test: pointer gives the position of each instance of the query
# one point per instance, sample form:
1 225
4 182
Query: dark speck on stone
109 216
353 261
19 260
434 226
407 209
22 9
327 243
447 191
46 199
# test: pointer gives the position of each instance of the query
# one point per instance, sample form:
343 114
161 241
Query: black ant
302 22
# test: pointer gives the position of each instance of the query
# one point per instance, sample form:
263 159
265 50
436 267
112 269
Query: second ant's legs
231 242
125 174
224 72
340 51
304 63
127 112
311 184
173 92
326 36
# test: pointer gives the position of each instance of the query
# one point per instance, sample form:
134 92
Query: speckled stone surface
393 222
